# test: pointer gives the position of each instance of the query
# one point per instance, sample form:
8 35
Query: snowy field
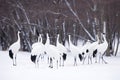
26 70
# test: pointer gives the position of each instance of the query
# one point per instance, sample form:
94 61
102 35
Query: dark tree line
83 19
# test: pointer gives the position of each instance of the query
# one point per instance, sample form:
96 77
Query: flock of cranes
59 52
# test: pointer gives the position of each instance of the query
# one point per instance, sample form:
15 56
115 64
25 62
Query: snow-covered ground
26 70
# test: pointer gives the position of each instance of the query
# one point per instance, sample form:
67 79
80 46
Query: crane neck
48 40
39 38
69 39
104 38
18 36
57 38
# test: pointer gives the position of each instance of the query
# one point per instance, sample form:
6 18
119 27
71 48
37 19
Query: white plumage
102 48
62 49
14 48
93 49
52 51
85 51
90 50
75 51
37 50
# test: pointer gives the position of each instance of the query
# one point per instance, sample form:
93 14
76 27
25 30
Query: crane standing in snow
85 51
102 48
90 50
38 50
14 48
62 49
75 51
93 49
52 51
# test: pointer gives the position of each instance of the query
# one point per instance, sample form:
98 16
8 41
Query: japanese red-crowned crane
75 51
37 51
102 48
14 48
52 52
62 49
85 50
90 50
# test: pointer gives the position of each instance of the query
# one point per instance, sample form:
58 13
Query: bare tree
75 14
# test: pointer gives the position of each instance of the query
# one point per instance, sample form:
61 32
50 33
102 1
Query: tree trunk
117 44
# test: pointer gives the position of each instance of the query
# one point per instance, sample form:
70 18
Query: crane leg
60 61
91 60
99 57
103 60
48 60
96 59
63 63
51 63
14 61
75 61
57 64
84 59
88 59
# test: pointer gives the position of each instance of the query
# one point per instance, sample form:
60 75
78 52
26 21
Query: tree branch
75 14
56 13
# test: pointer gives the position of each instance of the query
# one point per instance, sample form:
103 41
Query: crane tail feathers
64 56
95 53
11 54
80 57
33 58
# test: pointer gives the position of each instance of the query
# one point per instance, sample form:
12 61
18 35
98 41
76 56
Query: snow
26 70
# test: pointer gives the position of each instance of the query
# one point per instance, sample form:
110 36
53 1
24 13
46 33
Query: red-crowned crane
62 49
52 51
14 48
90 50
75 51
37 51
102 48
85 51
